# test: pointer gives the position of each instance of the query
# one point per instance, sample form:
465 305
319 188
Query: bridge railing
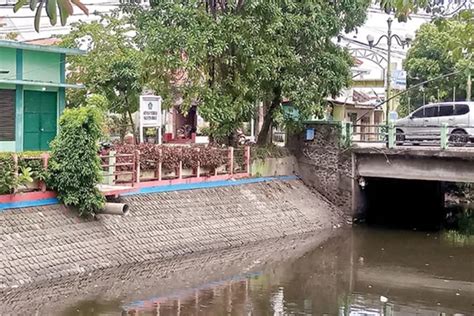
442 136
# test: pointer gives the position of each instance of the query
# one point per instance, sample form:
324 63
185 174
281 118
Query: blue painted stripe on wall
157 189
5 206
207 185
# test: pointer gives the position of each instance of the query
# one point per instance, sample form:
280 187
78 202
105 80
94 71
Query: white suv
425 123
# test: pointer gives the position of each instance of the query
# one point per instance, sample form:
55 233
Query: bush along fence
23 172
132 164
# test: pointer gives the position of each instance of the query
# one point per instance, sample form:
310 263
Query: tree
112 67
75 167
440 47
53 7
401 8
227 55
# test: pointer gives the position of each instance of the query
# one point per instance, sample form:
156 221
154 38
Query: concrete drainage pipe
115 209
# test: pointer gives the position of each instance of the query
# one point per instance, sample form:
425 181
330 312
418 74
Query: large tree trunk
263 136
134 131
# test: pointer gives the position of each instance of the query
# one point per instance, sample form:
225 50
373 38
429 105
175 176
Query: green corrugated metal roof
41 48
42 83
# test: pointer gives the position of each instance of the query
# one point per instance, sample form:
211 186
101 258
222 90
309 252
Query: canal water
358 271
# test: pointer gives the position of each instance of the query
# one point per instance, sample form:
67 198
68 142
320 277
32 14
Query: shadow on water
404 204
358 271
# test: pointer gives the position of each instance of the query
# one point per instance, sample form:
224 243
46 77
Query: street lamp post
402 41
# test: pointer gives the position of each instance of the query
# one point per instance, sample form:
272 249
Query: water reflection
358 272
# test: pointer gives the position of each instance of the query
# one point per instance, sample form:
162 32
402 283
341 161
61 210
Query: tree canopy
52 7
440 47
112 67
227 55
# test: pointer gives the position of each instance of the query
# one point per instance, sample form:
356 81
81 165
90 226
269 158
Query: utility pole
402 41
468 88
389 70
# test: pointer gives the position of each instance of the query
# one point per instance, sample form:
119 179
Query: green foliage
112 67
7 173
228 56
268 151
35 166
440 47
75 165
53 7
25 176
9 182
403 8
466 223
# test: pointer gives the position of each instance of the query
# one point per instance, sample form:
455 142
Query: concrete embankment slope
44 243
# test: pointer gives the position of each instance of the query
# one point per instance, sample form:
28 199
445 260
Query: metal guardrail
393 136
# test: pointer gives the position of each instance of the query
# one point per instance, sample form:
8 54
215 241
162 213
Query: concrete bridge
416 163
404 180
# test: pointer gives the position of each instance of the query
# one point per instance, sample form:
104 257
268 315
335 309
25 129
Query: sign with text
150 114
399 80
150 111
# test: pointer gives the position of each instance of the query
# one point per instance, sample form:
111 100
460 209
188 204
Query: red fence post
136 173
231 161
180 170
247 159
159 165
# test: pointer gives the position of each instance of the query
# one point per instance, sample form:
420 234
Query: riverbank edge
49 242
137 284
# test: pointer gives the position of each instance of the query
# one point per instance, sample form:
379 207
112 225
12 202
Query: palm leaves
64 7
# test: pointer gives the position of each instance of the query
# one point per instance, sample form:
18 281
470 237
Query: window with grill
7 115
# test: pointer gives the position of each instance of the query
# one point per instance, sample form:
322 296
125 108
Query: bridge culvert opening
407 204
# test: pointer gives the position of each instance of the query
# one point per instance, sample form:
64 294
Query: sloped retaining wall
271 167
48 242
146 284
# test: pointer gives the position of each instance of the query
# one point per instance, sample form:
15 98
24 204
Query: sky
376 25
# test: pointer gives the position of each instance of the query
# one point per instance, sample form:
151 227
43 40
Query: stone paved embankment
179 277
46 243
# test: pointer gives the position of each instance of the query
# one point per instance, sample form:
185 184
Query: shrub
212 157
74 166
170 156
268 151
7 173
33 160
149 156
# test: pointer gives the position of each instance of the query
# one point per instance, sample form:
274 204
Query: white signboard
399 80
150 114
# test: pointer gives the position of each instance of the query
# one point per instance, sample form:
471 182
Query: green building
32 94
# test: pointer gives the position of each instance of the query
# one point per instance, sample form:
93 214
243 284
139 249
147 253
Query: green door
40 119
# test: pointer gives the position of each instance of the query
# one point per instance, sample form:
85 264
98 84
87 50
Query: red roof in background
358 96
45 41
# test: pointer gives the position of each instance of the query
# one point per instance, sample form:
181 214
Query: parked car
425 123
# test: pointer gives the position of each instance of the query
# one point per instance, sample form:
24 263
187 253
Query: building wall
41 66
30 66
8 63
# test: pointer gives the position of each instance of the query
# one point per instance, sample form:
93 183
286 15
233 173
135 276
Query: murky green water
359 272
